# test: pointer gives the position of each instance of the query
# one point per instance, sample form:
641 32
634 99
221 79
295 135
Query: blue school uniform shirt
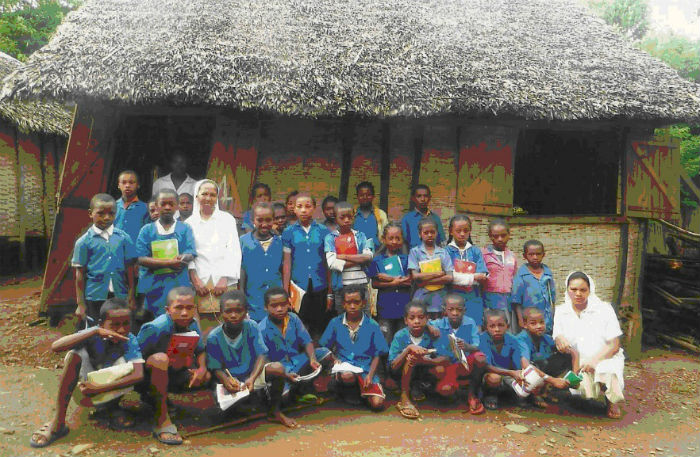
508 358
308 256
247 223
235 355
409 224
402 339
156 286
103 353
390 301
533 354
368 343
154 336
529 291
362 244
473 300
263 270
288 349
467 330
131 219
419 254
104 261
367 225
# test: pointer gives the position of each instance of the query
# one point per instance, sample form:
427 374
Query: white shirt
218 248
589 331
166 182
106 233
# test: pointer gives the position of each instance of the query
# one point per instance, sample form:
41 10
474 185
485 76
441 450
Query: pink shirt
500 278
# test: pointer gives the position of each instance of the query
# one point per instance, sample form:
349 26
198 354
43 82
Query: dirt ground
661 414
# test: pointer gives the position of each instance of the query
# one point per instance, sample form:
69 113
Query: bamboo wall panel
366 159
9 223
31 191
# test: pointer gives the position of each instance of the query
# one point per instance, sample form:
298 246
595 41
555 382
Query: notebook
431 266
458 353
345 244
107 376
164 249
311 375
181 348
296 295
464 266
392 266
372 390
226 399
346 366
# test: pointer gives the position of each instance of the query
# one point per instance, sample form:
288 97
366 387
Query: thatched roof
532 59
30 115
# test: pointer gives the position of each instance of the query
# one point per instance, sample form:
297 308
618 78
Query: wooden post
630 301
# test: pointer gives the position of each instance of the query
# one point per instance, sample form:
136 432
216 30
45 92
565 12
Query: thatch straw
32 116
532 59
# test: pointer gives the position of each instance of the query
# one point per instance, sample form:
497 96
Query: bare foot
614 411
282 419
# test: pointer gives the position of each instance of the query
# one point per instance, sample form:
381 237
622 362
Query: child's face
499 237
185 205
353 304
534 324
344 218
102 215
454 311
460 232
181 310
262 220
416 319
261 195
167 205
291 204
393 239
365 196
421 198
233 312
207 197
329 211
428 233
118 320
496 327
534 255
128 185
304 209
153 211
277 307
578 291
280 219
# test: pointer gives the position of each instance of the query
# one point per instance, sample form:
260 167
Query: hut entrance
567 172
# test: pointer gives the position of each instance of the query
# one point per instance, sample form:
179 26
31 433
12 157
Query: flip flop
121 420
50 436
157 432
408 410
614 414
539 402
476 407
491 402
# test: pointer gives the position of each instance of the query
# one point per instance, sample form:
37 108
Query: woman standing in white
586 324
217 267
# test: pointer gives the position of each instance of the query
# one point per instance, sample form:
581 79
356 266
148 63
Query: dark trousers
556 365
312 311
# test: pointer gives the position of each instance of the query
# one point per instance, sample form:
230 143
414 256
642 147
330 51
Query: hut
535 111
33 138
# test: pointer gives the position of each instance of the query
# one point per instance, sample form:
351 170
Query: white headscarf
196 208
593 299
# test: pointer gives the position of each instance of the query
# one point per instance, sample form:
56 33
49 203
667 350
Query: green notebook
164 249
392 266
574 379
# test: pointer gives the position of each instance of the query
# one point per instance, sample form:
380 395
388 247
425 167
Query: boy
279 218
237 355
503 357
357 340
165 370
163 272
533 285
328 209
415 355
261 264
132 214
290 204
103 259
152 211
184 202
286 338
347 253
260 193
421 201
109 344
369 219
177 180
466 336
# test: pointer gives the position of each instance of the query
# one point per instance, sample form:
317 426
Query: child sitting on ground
465 333
355 339
103 259
166 370
132 214
108 345
414 356
502 265
185 203
503 357
237 355
533 285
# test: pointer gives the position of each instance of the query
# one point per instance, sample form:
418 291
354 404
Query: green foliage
25 26
678 52
631 17
690 154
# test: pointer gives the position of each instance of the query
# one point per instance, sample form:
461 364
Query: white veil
593 299
196 216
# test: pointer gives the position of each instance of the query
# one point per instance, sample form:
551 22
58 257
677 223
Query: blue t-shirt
154 336
368 343
390 301
402 339
104 261
308 256
509 356
529 291
288 349
367 225
104 353
132 218
530 352
409 225
263 270
238 356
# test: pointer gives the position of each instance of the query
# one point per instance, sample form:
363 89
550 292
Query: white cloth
216 242
162 230
166 182
462 279
588 332
106 233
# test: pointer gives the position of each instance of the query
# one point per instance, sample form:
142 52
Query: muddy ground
661 415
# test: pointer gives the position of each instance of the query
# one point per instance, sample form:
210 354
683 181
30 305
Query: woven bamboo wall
9 225
32 195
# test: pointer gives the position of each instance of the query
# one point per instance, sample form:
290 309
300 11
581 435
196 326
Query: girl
502 265
469 267
390 276
430 267
305 263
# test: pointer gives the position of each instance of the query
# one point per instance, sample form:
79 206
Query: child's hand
293 377
197 377
434 332
220 287
480 277
314 364
249 383
588 367
111 335
412 359
88 389
518 376
199 287
461 344
185 258
559 383
416 350
562 343
233 385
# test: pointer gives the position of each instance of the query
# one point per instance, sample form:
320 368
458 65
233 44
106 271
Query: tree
631 17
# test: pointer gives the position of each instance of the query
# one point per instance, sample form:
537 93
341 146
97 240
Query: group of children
304 306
